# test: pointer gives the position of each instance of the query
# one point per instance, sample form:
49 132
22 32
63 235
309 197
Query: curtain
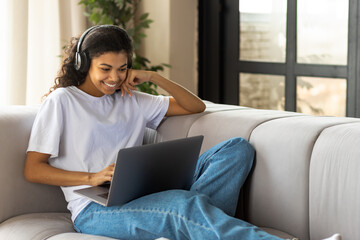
33 33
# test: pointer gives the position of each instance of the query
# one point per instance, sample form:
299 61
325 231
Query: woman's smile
110 85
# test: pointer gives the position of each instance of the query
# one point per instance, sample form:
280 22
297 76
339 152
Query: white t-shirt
84 133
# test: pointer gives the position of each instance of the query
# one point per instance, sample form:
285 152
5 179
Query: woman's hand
103 176
38 170
134 78
182 100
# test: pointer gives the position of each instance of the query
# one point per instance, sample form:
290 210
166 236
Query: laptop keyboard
104 195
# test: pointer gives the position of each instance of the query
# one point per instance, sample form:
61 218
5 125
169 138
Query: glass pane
322 27
321 96
263 30
262 91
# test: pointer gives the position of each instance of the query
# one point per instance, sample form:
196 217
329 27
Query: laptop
148 169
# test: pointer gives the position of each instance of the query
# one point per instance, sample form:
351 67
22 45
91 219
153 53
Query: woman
92 111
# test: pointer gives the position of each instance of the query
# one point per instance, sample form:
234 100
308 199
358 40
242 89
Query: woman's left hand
182 100
134 78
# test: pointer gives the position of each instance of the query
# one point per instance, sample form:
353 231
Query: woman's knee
242 151
240 142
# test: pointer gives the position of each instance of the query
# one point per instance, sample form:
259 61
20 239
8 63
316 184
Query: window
282 54
322 32
262 91
262 30
321 96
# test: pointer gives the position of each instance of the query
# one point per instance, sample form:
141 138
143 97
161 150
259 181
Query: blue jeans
204 212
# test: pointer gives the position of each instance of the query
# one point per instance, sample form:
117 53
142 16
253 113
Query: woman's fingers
134 78
103 176
127 87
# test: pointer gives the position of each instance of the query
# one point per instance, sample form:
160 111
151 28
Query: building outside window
321 39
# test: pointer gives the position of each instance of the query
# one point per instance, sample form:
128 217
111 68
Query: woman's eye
105 69
123 69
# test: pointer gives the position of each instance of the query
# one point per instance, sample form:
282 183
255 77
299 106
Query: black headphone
82 62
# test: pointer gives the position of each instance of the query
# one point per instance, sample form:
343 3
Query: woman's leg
174 214
178 214
222 170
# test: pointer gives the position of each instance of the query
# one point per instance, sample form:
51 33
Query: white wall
172 39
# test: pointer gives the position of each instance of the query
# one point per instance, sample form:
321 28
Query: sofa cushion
220 126
277 193
36 226
78 236
19 196
58 226
41 226
335 183
178 126
278 233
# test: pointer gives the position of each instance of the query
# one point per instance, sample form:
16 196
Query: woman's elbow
203 107
33 166
200 108
29 175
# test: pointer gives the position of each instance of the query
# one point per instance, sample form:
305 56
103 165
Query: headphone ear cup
82 63
77 61
85 62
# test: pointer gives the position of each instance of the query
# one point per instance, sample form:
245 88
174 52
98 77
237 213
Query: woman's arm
38 170
182 100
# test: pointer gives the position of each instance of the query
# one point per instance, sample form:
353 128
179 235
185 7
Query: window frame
219 63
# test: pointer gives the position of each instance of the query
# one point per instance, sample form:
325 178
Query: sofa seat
58 226
39 226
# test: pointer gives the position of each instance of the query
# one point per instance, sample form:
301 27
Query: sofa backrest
17 195
305 180
287 183
335 182
279 192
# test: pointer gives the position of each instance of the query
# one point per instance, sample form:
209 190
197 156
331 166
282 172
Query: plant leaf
144 16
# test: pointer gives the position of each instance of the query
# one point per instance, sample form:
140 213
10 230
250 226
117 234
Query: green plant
124 14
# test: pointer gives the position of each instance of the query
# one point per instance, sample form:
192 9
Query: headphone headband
78 49
80 57
82 63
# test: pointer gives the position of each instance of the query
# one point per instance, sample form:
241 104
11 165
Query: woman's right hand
38 170
103 176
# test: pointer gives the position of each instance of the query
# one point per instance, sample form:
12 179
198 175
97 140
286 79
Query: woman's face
106 74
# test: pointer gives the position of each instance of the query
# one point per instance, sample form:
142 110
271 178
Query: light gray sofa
305 181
